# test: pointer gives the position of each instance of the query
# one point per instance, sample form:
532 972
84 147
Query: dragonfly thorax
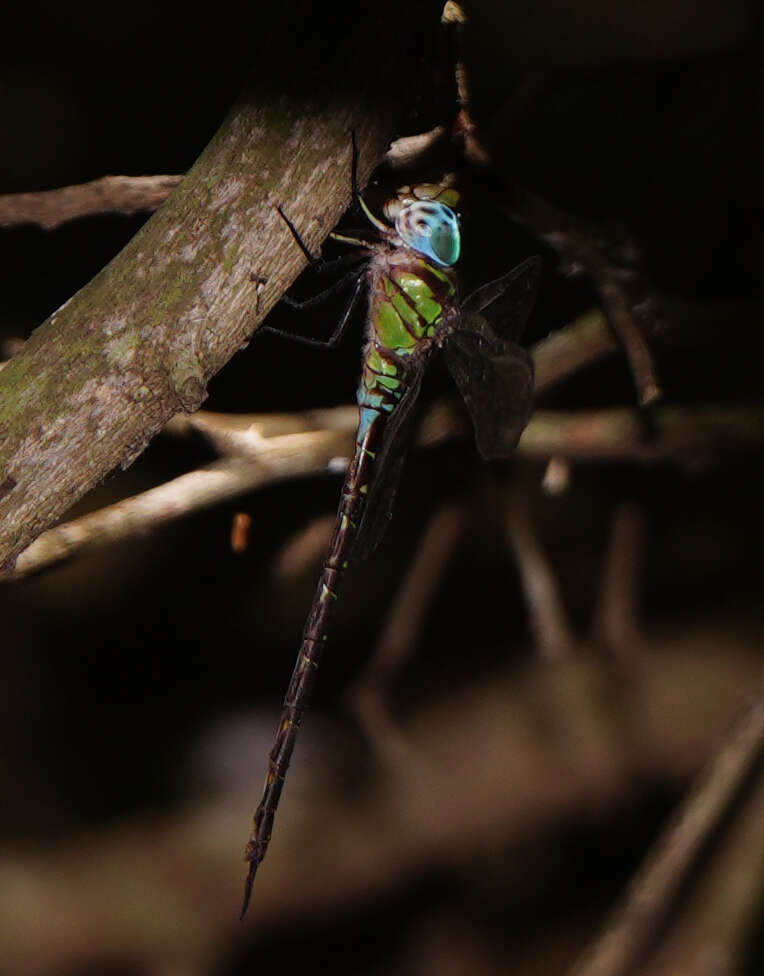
432 229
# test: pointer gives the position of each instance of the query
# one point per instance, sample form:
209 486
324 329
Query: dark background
143 681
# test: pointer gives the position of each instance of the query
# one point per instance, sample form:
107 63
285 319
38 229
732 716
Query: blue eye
432 229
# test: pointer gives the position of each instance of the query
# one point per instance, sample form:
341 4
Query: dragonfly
414 312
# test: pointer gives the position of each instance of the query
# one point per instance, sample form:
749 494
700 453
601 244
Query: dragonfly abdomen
315 634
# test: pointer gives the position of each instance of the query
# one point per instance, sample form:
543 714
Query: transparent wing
388 467
494 375
495 378
507 302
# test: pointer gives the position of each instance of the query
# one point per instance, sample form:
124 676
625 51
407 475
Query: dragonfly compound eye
432 229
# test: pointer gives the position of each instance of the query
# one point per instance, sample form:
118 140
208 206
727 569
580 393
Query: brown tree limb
143 338
689 435
633 927
722 918
583 342
555 639
125 195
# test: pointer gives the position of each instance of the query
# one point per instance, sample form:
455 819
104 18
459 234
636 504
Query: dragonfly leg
318 263
313 259
339 331
327 293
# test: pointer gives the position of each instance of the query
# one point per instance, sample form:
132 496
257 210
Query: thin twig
617 614
549 621
721 920
585 341
611 264
304 549
401 633
125 195
633 927
556 476
288 456
630 335
688 435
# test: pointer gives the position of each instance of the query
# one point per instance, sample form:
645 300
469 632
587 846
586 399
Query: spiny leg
316 261
313 260
339 331
333 289
320 265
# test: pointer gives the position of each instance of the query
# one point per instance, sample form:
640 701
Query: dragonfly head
432 228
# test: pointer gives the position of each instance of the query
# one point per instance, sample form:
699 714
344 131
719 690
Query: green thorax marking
408 302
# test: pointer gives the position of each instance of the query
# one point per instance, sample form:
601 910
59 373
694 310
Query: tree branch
141 341
111 194
635 924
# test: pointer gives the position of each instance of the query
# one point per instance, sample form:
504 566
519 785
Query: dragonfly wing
507 302
388 467
495 378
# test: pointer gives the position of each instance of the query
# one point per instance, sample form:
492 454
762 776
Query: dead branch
722 918
288 456
688 435
617 617
585 341
634 926
124 195
549 620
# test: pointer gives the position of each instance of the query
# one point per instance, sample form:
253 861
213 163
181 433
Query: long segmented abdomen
354 492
